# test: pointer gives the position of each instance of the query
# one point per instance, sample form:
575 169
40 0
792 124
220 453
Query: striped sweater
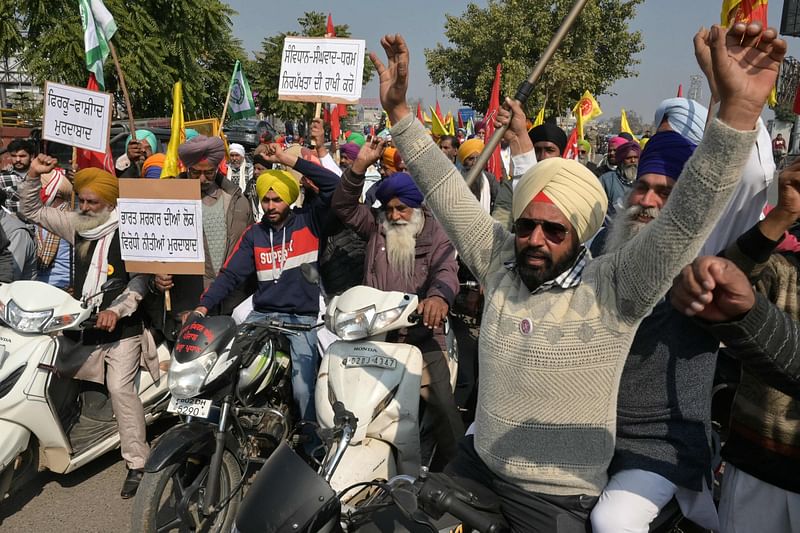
550 362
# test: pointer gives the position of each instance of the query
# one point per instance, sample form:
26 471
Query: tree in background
158 42
268 66
598 51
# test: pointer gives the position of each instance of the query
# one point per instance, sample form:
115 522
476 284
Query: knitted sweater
550 362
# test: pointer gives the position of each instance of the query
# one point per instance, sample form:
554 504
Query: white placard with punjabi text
321 70
170 231
77 117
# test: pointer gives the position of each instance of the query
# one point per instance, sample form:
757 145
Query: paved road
85 501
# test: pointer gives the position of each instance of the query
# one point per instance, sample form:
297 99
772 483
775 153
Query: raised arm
346 198
480 241
746 62
30 202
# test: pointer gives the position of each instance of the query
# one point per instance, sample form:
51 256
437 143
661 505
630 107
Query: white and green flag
98 28
241 100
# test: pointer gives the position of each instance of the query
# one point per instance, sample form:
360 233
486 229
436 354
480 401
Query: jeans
305 359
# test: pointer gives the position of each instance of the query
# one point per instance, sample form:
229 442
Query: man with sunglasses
557 325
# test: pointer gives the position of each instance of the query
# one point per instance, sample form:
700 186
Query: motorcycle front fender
179 442
13 441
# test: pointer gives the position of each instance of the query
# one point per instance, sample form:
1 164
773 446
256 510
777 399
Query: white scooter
46 421
378 382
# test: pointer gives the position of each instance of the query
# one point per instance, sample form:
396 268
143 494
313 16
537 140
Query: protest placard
77 117
161 226
321 70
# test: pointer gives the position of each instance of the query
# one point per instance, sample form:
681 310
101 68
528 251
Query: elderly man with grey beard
408 251
618 182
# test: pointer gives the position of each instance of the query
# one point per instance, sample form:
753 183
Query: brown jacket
435 268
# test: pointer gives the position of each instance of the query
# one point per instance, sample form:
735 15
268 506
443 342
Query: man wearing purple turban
618 182
408 251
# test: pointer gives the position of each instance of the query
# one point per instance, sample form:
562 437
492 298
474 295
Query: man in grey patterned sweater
557 324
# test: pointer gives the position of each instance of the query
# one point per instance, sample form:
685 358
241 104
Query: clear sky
667 28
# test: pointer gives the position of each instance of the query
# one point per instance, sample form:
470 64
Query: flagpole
526 87
225 109
131 123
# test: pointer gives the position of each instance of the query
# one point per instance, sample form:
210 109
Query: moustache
530 252
636 211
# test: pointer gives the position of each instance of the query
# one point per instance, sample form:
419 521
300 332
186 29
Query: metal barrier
10 118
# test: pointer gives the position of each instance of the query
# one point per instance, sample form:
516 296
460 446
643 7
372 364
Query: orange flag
495 165
330 30
439 111
744 11
419 113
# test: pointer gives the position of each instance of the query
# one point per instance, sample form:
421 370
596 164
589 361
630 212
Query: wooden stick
167 301
131 123
318 110
225 109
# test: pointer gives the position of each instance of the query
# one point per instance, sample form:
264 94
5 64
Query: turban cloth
626 150
684 116
551 133
573 189
616 142
259 159
97 180
470 147
586 145
280 181
390 159
666 153
191 133
350 150
356 138
201 147
152 166
236 148
401 186
146 136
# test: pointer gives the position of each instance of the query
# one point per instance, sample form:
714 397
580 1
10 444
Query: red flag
744 11
89 159
419 113
680 90
326 115
495 165
330 31
439 111
460 121
335 127
342 110
571 151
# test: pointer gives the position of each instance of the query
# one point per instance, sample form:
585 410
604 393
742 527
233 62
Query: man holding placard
111 352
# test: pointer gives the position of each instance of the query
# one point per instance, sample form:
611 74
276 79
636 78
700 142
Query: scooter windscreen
202 336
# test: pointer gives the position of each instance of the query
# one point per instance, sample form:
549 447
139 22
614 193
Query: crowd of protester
586 367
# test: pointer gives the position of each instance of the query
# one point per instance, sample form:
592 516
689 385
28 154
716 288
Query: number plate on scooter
370 360
196 407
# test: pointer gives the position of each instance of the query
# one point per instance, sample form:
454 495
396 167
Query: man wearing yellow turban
278 250
113 350
558 325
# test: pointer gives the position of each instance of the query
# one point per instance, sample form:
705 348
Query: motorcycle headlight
353 325
26 321
60 322
186 379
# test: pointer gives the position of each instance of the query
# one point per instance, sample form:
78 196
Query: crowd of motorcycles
238 459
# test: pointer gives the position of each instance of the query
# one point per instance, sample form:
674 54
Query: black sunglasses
553 231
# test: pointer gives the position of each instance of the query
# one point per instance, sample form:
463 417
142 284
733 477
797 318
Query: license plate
370 360
196 407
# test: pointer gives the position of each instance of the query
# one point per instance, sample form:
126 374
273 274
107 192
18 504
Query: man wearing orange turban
113 350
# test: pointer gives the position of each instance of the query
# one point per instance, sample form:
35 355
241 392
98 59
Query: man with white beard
408 251
618 182
112 351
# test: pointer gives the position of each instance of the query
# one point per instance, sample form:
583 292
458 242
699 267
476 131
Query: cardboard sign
207 126
161 226
77 117
321 70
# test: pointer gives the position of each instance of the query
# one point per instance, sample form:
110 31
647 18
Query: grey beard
624 226
401 242
84 221
629 172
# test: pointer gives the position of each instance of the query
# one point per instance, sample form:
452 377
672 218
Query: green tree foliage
268 66
158 42
599 50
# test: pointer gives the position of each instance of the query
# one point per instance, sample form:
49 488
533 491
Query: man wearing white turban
558 325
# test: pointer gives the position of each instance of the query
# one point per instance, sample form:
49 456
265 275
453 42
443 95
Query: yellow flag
449 124
177 135
585 110
437 128
624 126
539 118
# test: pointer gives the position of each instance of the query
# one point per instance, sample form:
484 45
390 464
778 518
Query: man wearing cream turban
114 349
557 324
280 251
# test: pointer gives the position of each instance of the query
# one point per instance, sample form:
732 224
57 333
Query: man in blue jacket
276 249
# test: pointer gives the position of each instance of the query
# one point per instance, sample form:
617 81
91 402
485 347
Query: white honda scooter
47 421
379 382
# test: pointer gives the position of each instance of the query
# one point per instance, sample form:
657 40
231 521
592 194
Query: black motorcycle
231 386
